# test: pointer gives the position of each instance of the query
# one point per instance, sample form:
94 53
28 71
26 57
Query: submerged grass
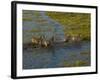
27 19
85 53
73 23
77 63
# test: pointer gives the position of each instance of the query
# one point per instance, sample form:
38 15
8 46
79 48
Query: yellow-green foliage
80 63
77 63
27 19
85 53
28 14
73 23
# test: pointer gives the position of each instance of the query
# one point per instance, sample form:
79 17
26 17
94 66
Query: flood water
56 56
60 54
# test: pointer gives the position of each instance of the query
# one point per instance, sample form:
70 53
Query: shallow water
44 25
60 54
56 56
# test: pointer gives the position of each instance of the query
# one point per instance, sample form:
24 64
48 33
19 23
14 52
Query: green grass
77 63
27 15
85 53
73 23
27 19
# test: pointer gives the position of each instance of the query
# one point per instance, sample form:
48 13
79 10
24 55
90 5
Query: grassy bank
73 23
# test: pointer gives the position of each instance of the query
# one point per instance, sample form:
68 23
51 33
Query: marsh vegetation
73 23
56 39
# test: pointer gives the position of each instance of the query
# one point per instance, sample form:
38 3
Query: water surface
60 54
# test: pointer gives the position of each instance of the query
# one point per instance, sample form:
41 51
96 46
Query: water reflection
55 56
60 54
